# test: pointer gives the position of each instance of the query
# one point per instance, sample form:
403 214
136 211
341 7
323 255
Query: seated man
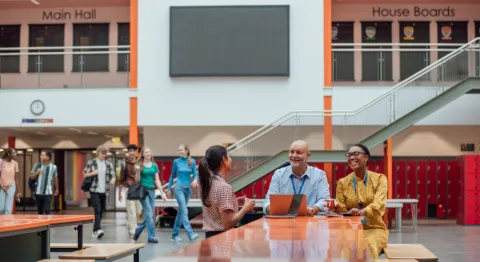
299 178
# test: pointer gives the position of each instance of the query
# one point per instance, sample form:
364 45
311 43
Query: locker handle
418 182
428 195
428 182
408 182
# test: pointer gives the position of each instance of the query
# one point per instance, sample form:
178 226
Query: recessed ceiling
66 131
14 4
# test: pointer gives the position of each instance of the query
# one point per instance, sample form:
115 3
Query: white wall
228 101
67 107
418 141
459 112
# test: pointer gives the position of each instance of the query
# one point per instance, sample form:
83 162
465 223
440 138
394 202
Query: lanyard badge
360 205
301 186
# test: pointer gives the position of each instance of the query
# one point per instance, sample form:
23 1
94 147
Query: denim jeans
182 194
6 201
148 206
98 204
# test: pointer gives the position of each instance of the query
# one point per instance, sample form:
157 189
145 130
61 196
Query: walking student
129 175
183 167
47 179
148 178
8 181
104 174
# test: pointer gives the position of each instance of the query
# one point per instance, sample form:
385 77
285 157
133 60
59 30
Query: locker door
167 164
257 188
379 166
442 189
248 191
266 183
453 188
339 173
432 182
401 172
411 183
422 188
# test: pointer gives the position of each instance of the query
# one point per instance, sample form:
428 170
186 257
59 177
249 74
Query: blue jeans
148 205
182 194
6 201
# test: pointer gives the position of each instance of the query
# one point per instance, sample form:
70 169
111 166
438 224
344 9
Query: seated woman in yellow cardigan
364 193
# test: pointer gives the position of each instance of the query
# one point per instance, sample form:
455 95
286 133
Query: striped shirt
45 178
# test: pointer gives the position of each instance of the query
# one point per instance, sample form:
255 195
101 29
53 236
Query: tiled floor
444 238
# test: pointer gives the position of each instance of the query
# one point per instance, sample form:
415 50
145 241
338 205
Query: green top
147 176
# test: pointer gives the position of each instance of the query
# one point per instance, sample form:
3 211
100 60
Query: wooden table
33 231
301 238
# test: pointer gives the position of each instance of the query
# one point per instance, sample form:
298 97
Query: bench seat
69 245
64 260
409 251
106 252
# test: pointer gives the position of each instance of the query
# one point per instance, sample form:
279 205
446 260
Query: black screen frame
286 74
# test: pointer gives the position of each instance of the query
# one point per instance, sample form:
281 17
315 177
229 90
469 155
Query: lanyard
301 187
355 186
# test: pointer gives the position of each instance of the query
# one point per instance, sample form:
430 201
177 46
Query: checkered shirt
220 198
109 174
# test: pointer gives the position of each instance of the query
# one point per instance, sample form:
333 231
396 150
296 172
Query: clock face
37 107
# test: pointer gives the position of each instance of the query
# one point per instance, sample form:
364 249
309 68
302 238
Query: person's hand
169 193
362 212
194 184
310 211
241 200
56 192
249 204
331 204
354 211
5 190
164 196
95 172
39 171
120 196
112 182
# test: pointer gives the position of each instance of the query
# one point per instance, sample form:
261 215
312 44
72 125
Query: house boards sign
414 11
77 14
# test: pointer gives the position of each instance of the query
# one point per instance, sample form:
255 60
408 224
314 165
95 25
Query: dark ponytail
208 167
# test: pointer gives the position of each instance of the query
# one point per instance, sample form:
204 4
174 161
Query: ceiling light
107 136
109 154
34 2
94 151
92 133
29 150
19 152
75 129
1 149
125 150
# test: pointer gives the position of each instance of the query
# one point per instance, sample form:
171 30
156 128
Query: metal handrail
434 65
61 47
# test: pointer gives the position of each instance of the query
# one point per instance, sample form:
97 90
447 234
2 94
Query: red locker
258 188
411 184
371 165
453 188
422 188
379 166
248 191
167 170
266 183
442 189
431 182
468 208
318 165
401 174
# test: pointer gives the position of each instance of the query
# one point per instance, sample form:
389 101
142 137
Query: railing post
82 62
39 62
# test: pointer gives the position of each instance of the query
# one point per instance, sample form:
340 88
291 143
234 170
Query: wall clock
37 107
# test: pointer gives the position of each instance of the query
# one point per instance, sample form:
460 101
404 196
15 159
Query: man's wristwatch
312 209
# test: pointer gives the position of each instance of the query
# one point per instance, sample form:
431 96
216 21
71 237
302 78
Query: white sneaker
100 234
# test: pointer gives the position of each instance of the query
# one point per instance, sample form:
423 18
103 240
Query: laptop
287 206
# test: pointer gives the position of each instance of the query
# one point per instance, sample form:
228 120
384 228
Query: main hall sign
78 14
415 11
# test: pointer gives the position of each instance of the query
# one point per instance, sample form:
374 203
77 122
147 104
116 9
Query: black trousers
44 202
98 204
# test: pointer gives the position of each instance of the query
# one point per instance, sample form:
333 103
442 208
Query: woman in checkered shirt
219 205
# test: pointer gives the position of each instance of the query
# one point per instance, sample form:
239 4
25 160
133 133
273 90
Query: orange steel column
388 169
133 134
327 91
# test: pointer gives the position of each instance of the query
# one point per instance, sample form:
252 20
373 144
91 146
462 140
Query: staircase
406 103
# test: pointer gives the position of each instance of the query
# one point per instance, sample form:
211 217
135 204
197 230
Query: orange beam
133 139
133 43
133 134
327 83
